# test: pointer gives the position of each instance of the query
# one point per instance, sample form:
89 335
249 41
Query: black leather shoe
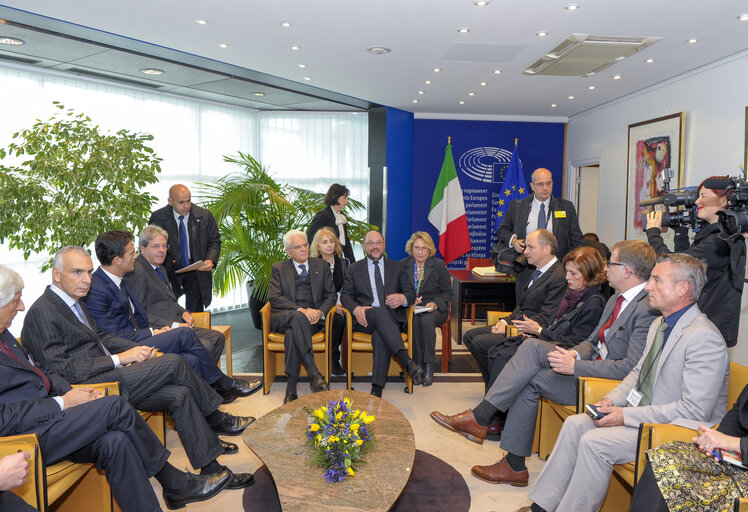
229 448
318 383
415 372
290 397
232 425
338 370
240 388
428 374
238 480
197 488
376 392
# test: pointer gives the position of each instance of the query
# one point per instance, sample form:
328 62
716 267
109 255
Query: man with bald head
193 236
541 211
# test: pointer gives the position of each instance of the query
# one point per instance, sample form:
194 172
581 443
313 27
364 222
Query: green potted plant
70 182
253 212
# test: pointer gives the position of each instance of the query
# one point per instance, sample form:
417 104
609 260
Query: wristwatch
540 329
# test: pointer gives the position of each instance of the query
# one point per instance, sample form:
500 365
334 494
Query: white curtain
311 150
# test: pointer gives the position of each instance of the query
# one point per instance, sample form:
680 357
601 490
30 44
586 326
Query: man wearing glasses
542 369
377 291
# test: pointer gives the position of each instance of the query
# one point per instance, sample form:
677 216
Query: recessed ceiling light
616 77
201 22
302 66
307 78
692 40
152 71
436 70
542 33
484 83
463 30
471 94
572 7
496 71
258 94
591 87
481 3
743 17
12 41
294 47
420 92
427 82
462 103
415 101
571 97
378 50
553 105
223 45
650 61
285 24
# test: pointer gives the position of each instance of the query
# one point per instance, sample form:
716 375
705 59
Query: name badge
603 351
634 397
559 214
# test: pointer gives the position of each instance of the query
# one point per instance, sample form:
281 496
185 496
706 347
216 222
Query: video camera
685 197
733 220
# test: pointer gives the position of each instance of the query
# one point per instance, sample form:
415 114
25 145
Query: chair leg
472 314
446 345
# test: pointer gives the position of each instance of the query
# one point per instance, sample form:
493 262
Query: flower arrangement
341 437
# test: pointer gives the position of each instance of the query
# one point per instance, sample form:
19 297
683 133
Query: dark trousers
479 341
385 341
298 342
424 334
184 341
647 495
213 341
111 434
10 502
336 336
500 354
193 298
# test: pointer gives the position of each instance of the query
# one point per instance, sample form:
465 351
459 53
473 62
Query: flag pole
449 140
515 142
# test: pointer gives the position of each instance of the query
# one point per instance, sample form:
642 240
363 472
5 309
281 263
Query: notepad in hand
417 310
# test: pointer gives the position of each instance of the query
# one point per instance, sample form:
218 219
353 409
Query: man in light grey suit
149 283
540 368
682 378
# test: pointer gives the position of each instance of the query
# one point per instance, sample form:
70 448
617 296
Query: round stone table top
278 440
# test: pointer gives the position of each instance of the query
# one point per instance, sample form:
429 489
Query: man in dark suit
541 211
83 426
377 292
119 313
301 293
542 369
538 295
63 337
195 237
148 283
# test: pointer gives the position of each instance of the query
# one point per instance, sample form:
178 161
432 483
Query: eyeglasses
615 263
373 243
159 246
419 249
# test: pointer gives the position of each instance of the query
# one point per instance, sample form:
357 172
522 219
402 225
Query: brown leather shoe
524 509
463 423
501 473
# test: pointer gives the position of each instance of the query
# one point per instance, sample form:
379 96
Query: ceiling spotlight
152 71
542 33
572 7
481 3
471 94
463 30
462 103
378 50
201 22
436 70
591 87
650 61
258 94
742 17
692 40
294 47
484 84
223 45
571 97
302 66
307 78
616 77
285 24
553 105
496 71
420 92
427 82
12 41
415 101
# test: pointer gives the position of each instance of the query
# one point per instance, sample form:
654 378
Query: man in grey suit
301 293
540 368
682 378
148 282
61 334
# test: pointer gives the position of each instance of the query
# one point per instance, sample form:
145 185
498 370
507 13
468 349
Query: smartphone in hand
593 412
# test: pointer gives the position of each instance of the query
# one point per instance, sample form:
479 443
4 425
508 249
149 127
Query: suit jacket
357 288
541 300
625 341
282 289
326 217
690 385
156 297
735 423
577 323
107 305
205 244
64 345
565 228
435 284
25 404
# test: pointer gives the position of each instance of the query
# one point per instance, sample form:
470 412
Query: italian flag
447 212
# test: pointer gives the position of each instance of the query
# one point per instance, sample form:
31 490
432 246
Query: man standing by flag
447 212
514 188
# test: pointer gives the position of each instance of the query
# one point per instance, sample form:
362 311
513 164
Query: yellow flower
332 439
347 402
314 427
351 472
319 437
359 442
355 426
319 413
362 415
355 414
338 416
369 419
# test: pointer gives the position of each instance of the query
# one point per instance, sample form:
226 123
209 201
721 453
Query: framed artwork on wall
653 146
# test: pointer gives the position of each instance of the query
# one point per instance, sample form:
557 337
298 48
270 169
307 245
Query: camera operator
720 299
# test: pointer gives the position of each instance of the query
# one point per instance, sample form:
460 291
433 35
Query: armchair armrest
201 319
493 317
591 390
32 491
652 435
106 388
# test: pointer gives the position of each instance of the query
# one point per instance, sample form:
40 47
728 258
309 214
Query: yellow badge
559 214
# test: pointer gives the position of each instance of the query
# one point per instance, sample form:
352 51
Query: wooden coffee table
278 440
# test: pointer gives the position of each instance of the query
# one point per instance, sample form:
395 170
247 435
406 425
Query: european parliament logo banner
487 165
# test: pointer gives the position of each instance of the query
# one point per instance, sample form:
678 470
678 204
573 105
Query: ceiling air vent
15 58
585 55
81 71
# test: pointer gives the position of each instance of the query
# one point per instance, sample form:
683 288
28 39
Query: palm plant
253 212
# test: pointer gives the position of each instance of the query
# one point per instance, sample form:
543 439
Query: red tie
5 349
601 332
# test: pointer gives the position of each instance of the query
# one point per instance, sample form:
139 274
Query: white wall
714 99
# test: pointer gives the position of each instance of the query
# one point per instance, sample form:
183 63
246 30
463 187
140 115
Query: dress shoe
493 430
501 473
240 388
229 448
464 424
376 392
318 383
290 397
238 480
232 425
197 488
524 509
415 372
338 370
428 374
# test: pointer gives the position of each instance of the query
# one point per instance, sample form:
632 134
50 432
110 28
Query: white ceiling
333 36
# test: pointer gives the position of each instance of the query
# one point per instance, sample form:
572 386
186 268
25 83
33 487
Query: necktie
542 218
5 349
184 251
161 275
648 372
379 283
535 276
128 305
304 274
613 317
84 321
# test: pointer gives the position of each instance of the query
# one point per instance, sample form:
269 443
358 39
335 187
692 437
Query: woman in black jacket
725 261
430 280
335 199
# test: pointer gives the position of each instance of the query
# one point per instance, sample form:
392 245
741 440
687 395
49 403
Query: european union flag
514 188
